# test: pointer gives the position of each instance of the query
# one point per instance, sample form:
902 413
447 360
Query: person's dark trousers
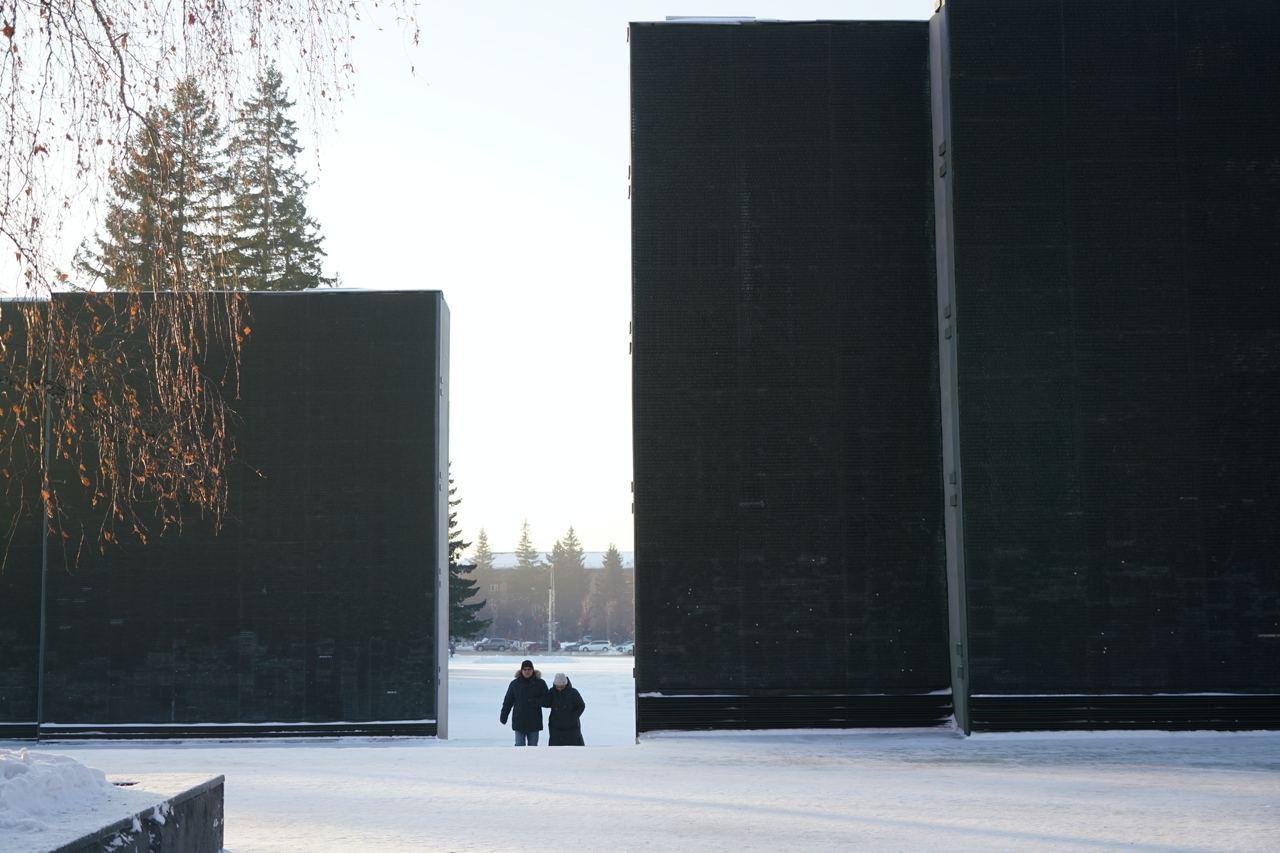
526 738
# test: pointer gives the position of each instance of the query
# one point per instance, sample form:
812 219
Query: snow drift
37 789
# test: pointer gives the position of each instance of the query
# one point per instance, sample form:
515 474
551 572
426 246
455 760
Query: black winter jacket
526 697
566 710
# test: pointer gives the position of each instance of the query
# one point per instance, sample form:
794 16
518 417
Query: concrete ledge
18 731
190 821
1160 711
676 712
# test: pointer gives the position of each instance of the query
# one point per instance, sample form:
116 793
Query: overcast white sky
498 174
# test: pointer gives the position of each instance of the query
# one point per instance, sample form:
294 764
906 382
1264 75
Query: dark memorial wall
20 546
788 500
315 608
1105 349
1116 218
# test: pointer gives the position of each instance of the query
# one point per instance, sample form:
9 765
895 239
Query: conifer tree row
189 204
595 602
165 227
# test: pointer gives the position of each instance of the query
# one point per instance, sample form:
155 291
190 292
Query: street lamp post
551 614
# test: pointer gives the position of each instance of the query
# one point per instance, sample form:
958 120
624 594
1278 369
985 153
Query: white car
596 646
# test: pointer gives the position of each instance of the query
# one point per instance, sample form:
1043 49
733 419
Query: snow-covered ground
865 790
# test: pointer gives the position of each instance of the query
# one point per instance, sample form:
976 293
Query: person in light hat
525 699
565 722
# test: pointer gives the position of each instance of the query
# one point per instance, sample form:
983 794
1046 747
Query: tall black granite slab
316 607
1116 192
788 502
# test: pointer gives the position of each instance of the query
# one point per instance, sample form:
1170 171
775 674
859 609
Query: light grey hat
560 678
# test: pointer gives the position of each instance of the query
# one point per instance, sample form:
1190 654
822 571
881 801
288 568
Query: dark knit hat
527 663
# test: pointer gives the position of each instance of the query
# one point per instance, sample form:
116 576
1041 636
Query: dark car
493 644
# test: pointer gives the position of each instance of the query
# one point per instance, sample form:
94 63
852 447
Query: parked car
569 647
625 648
596 646
493 644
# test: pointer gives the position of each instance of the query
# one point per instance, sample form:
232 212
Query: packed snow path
899 790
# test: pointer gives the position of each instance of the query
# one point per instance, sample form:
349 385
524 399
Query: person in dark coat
565 723
526 696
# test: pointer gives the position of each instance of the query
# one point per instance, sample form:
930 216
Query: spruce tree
276 242
573 548
527 556
484 554
497 609
571 584
464 623
593 607
529 585
625 614
614 603
165 222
